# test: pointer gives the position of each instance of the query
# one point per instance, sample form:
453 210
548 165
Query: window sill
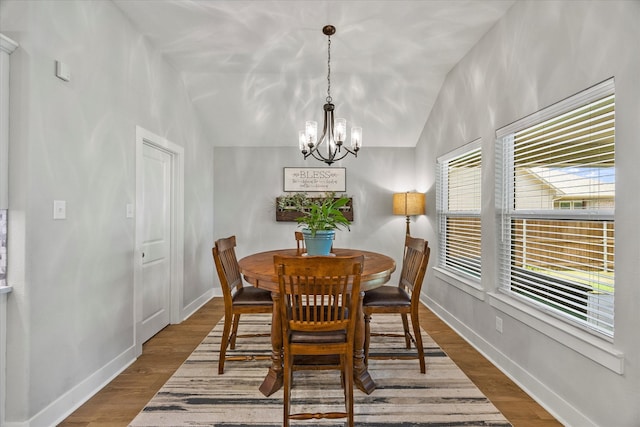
5 289
581 341
466 285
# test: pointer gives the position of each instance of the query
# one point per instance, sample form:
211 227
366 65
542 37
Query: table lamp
408 204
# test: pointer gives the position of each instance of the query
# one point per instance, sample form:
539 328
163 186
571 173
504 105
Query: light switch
129 210
59 209
62 71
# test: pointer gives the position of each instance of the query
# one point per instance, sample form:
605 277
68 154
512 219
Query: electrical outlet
59 209
499 324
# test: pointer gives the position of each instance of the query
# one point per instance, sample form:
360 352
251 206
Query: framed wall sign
315 179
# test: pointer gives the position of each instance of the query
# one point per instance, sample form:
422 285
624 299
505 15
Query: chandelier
334 131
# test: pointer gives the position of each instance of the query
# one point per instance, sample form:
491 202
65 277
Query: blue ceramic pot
320 244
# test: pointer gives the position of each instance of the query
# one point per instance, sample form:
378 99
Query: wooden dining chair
300 242
319 299
238 299
403 299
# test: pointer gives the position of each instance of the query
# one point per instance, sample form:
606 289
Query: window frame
507 212
446 270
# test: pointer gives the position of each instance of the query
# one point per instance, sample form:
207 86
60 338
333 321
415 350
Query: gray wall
539 53
249 179
70 318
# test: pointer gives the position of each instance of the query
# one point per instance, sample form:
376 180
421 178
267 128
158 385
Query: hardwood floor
121 400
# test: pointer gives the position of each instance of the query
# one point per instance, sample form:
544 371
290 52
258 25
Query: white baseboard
197 304
62 407
66 404
542 394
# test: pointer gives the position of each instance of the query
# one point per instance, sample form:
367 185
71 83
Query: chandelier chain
329 99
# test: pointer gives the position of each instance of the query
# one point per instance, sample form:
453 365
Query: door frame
145 137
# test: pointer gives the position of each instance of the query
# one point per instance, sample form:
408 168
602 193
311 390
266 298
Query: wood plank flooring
121 400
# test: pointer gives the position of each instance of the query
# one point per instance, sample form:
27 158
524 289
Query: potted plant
320 221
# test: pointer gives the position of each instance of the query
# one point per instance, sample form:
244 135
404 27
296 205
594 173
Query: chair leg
418 337
224 343
234 332
407 334
348 373
367 337
286 396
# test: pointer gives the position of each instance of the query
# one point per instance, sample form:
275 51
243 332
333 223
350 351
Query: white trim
469 286
143 137
604 88
470 146
519 374
194 306
58 410
7 46
585 343
4 295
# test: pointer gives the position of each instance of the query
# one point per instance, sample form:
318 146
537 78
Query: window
564 204
458 205
556 189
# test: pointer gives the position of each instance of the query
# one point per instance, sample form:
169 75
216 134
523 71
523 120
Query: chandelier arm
354 152
335 159
318 156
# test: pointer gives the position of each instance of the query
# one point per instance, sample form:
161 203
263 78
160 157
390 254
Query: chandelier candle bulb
341 130
356 138
302 141
311 129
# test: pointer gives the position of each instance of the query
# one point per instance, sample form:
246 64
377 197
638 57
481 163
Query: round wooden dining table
259 271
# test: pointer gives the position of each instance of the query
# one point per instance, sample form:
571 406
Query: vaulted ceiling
256 70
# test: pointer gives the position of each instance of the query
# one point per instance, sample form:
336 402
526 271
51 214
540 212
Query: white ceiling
256 70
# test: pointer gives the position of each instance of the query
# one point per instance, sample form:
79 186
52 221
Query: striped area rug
197 396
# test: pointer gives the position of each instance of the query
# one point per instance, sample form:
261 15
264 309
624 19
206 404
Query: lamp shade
408 204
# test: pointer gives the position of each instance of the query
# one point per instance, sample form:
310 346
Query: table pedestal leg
273 380
361 376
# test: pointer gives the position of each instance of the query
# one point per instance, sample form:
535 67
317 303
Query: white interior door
156 241
159 235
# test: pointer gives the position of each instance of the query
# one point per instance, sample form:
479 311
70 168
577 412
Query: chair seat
386 296
248 295
328 337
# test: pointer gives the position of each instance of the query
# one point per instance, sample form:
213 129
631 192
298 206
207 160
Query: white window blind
458 205
556 195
